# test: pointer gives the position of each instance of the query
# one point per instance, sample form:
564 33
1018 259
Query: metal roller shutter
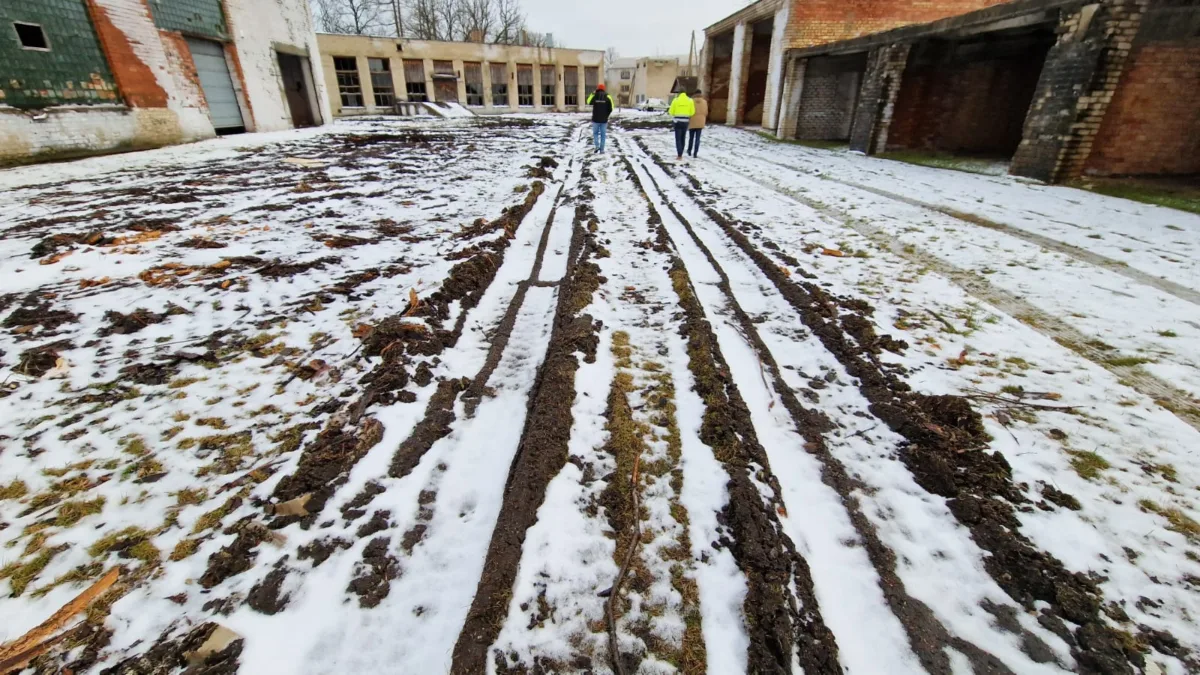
217 84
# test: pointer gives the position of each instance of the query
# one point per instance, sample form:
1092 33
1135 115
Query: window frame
349 82
571 86
387 91
525 91
415 90
502 85
41 30
477 99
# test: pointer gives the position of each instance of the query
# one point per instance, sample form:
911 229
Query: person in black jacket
602 107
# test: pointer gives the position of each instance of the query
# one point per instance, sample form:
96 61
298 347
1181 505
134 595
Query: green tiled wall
73 71
193 17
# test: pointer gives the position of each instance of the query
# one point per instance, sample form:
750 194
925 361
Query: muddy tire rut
946 454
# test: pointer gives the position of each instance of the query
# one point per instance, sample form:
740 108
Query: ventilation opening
31 36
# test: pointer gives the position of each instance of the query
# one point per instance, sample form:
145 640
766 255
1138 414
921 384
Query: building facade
368 75
742 59
81 77
1061 89
634 81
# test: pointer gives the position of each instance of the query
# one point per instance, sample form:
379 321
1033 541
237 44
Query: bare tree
354 17
510 22
423 22
449 16
610 57
478 19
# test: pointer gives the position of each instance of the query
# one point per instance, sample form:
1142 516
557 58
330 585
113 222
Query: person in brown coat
696 125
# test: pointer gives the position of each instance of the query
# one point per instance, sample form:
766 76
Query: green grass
940 160
1167 333
1127 361
1181 198
1088 465
819 145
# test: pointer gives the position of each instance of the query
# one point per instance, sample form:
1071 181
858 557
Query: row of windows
350 87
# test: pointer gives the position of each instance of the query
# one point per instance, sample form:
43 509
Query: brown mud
777 623
169 656
928 638
946 453
542 451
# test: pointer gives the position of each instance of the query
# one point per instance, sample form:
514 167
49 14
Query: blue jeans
599 135
681 129
693 147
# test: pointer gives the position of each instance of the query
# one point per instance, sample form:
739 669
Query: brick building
1061 88
81 77
742 61
368 75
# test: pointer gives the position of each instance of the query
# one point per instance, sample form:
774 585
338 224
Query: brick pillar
877 98
775 70
1081 73
793 87
737 78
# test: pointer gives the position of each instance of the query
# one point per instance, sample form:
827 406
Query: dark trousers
693 147
681 129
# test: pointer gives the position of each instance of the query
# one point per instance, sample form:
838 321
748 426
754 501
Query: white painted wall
775 68
132 17
71 131
260 26
735 72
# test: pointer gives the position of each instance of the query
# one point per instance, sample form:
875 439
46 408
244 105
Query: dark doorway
445 82
295 88
829 97
718 82
970 95
756 73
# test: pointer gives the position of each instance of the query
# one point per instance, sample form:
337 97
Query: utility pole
398 18
691 54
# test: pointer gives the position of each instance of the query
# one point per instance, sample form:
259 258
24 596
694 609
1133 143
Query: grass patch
20 575
184 549
1183 198
808 143
1177 521
14 490
1127 361
1167 333
940 160
191 496
72 512
181 382
1087 464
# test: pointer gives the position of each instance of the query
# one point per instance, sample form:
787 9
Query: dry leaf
56 257
362 330
962 358
413 302
226 284
220 265
1052 396
21 330
89 283
833 252
786 271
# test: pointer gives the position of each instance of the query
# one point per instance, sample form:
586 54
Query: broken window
473 73
524 85
570 85
549 86
499 85
381 82
414 80
349 85
591 78
31 36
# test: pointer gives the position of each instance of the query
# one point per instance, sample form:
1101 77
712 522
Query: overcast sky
634 27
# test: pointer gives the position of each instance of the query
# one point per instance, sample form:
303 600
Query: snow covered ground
463 396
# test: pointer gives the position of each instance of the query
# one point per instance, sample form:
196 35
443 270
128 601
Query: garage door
223 107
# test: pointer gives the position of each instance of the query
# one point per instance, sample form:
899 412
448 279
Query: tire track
928 638
978 486
1181 403
1081 254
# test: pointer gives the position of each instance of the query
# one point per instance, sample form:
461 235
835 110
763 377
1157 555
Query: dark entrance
829 97
295 87
722 68
970 95
445 82
756 79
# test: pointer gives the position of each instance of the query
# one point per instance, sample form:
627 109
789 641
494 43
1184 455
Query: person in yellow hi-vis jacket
682 109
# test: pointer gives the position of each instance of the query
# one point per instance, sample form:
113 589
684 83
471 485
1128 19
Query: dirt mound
127 324
38 311
277 269
168 656
325 463
376 571
40 360
201 243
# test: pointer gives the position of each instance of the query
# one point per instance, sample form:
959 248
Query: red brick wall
815 22
135 81
976 107
1153 121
